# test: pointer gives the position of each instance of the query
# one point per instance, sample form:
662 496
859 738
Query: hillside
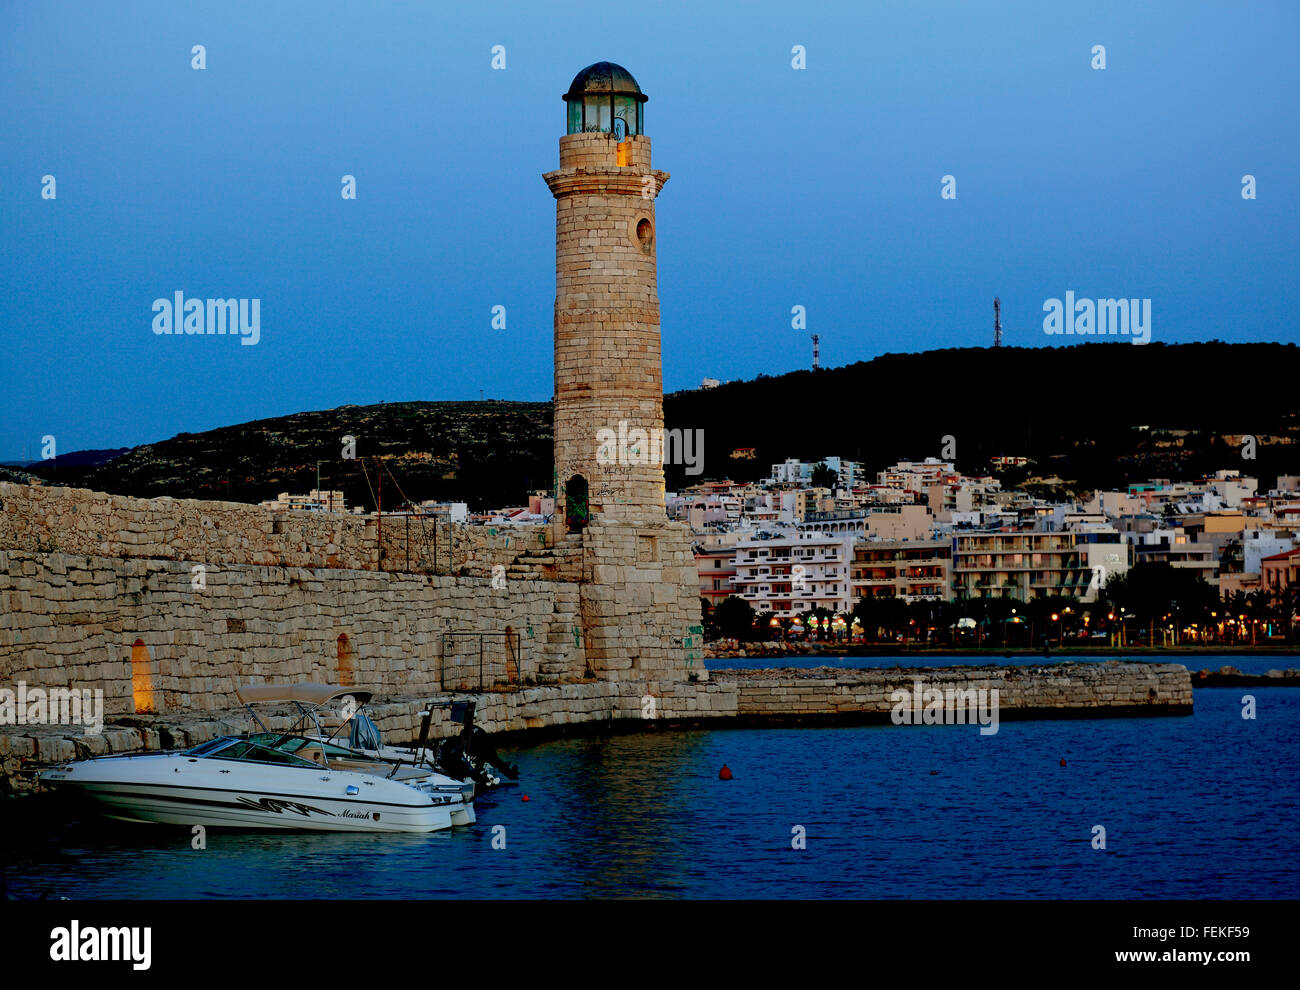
1091 415
1073 409
493 451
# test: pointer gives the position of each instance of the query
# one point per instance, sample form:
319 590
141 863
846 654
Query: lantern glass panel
625 109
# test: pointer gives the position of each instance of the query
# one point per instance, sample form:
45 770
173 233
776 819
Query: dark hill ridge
78 458
430 449
1075 410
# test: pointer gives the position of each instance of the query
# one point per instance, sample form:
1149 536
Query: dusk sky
817 187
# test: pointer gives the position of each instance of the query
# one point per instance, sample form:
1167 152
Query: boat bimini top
309 697
307 693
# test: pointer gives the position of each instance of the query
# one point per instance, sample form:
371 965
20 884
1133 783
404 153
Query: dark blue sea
1203 806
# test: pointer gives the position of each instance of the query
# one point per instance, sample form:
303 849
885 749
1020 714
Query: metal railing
475 660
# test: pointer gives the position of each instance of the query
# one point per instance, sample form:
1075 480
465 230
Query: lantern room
605 98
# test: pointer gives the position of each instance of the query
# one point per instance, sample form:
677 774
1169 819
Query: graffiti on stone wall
693 645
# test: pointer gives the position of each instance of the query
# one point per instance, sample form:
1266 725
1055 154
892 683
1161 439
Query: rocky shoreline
1232 677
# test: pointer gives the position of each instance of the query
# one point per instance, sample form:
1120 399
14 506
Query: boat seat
311 752
378 769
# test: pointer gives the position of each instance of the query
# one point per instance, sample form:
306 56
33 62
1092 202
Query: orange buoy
524 798
724 773
1062 763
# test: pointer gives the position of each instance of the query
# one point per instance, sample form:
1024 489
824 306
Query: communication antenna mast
816 338
997 322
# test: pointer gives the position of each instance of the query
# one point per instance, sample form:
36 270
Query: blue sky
818 188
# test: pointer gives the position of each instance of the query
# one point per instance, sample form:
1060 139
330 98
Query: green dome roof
604 77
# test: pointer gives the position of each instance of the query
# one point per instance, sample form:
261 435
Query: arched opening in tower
142 679
346 657
577 511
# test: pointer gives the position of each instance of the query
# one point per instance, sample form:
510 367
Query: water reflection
1195 807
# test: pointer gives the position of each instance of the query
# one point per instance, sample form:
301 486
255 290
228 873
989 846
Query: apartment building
313 501
456 512
1231 487
787 575
1105 554
903 521
1173 546
1280 571
1257 545
699 511
961 494
773 508
715 560
917 476
913 570
793 471
1020 565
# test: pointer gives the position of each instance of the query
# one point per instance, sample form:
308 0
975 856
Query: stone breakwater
740 699
1053 690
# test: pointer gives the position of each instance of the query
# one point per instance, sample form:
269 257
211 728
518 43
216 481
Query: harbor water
1201 806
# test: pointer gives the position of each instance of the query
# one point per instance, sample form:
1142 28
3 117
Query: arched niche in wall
345 671
144 679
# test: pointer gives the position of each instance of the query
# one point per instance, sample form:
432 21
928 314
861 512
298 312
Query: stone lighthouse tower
640 599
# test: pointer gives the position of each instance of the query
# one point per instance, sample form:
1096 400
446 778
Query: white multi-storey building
787 575
313 501
917 476
793 471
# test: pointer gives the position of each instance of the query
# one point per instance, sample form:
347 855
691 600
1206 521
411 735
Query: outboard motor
463 712
484 757
470 754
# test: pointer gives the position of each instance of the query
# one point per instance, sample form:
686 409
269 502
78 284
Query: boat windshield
246 749
255 749
277 747
211 746
306 748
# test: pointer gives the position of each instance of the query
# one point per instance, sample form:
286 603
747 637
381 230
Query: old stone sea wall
167 605
188 597
201 594
139 625
86 523
738 699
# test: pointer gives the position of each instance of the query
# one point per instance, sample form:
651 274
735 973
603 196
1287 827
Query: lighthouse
640 588
608 370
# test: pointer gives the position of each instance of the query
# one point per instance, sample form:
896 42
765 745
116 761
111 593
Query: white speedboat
273 779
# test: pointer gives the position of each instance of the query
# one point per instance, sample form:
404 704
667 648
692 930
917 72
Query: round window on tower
645 233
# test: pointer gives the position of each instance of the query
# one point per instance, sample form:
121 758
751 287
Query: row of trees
1153 604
